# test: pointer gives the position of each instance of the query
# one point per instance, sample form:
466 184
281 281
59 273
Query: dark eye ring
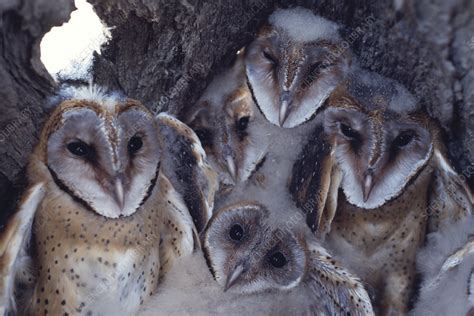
403 139
316 67
236 232
348 131
135 144
278 260
270 58
79 148
243 123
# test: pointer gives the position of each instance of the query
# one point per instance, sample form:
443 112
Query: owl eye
278 260
403 139
79 148
236 232
349 132
325 65
243 123
270 58
314 71
135 144
317 66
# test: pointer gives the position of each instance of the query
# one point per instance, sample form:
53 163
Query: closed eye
268 56
314 71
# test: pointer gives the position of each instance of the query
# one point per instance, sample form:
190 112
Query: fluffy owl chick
249 254
390 164
226 121
107 222
189 289
294 64
240 143
446 265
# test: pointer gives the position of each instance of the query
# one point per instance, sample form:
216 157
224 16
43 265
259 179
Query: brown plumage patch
291 64
341 98
265 31
309 189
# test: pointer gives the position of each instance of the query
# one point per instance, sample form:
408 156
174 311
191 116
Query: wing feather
341 292
14 241
315 182
450 196
185 165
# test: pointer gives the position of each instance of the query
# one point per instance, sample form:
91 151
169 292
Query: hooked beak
231 167
118 190
368 185
283 112
234 276
285 99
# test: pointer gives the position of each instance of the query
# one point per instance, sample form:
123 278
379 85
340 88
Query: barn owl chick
249 254
390 178
293 65
189 289
103 221
230 129
446 265
240 143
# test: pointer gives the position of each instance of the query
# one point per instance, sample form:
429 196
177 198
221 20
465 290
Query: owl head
229 127
381 138
102 150
293 64
245 253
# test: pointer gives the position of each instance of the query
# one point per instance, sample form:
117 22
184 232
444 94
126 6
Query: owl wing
456 258
185 164
450 197
340 292
315 182
14 242
178 234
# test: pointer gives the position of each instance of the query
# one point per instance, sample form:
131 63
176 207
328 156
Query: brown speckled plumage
391 183
82 257
381 244
111 223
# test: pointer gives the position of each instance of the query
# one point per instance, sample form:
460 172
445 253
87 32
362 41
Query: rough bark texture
164 53
24 86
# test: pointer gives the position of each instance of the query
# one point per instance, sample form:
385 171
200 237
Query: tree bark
164 53
24 87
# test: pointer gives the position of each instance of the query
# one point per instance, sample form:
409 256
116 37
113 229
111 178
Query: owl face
379 146
246 254
231 135
293 65
103 152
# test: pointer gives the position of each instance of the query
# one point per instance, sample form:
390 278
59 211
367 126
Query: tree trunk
24 87
165 53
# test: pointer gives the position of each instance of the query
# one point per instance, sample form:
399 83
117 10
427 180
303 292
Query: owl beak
234 276
231 167
285 99
368 185
119 196
284 112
